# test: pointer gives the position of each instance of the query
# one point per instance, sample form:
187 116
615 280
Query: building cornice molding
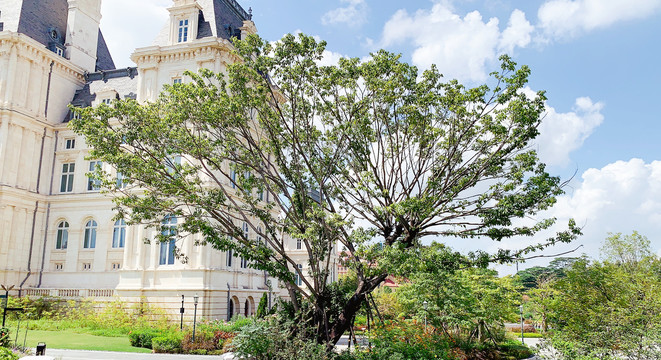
198 50
36 52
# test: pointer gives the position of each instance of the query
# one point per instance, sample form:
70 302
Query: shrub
169 343
205 342
4 337
270 339
407 341
143 337
262 307
224 339
220 325
514 350
7 354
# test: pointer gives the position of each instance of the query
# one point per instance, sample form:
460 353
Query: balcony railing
72 293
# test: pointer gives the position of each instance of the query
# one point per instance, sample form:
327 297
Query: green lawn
68 339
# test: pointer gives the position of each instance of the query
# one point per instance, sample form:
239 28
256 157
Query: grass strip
67 339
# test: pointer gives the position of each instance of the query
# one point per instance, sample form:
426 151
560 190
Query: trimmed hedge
143 337
169 343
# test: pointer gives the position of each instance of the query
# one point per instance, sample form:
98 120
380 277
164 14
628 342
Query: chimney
83 32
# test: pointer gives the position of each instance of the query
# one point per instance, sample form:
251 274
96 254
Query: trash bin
41 349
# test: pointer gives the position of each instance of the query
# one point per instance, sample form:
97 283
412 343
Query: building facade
57 233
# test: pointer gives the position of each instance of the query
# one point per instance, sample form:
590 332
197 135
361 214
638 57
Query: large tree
357 153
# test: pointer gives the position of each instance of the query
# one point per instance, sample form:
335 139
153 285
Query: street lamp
195 299
181 311
424 305
521 311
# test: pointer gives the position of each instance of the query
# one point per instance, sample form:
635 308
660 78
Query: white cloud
330 58
620 197
567 18
353 14
562 133
460 46
125 30
518 32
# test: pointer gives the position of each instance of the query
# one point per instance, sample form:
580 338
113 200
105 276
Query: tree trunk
342 324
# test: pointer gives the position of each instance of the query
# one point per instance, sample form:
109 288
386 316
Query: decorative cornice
35 51
203 49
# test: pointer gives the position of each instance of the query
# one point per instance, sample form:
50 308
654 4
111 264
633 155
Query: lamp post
521 311
181 311
424 305
7 289
195 299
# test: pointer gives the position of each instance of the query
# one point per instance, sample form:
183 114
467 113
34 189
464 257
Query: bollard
41 349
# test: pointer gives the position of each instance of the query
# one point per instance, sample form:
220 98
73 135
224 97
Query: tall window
299 244
169 225
233 178
120 180
171 163
93 184
119 234
298 280
259 236
70 143
246 234
66 184
228 259
90 235
62 235
183 31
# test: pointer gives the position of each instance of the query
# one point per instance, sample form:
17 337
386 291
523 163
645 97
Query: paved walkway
59 354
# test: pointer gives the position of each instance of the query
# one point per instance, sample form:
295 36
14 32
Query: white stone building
57 236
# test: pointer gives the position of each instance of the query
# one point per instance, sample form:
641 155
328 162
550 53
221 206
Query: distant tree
531 277
626 249
528 277
468 304
354 153
542 298
604 310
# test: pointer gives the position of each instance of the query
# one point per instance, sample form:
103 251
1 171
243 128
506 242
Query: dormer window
55 43
183 31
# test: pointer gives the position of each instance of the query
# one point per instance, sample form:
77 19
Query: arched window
230 310
169 225
246 308
62 235
119 234
89 241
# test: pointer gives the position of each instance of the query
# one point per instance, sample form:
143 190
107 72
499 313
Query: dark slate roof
123 81
218 18
40 17
103 57
229 18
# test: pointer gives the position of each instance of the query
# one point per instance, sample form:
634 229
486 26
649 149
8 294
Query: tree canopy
606 310
355 154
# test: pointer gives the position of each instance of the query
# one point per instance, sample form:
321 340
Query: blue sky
598 60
